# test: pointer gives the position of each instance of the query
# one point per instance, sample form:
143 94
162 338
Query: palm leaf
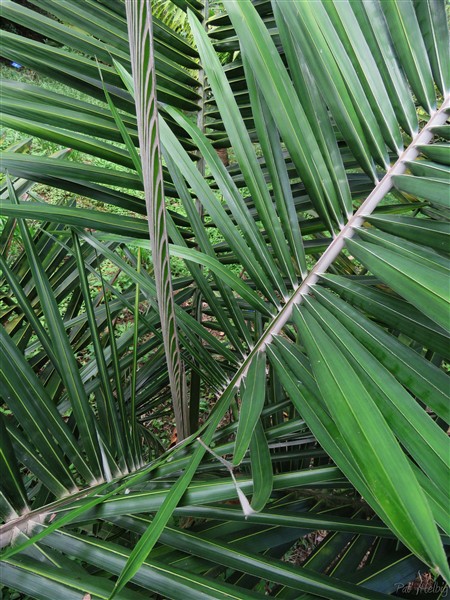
141 44
329 362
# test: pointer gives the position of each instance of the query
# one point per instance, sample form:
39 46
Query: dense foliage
300 350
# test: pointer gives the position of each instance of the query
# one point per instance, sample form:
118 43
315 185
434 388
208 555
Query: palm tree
314 315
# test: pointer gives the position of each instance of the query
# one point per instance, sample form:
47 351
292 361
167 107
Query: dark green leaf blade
262 472
12 483
252 402
423 286
377 454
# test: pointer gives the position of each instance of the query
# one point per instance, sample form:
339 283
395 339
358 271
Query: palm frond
320 258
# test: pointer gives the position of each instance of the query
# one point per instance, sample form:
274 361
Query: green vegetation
254 401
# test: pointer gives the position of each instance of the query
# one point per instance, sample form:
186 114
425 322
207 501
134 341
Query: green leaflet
32 166
225 274
69 371
72 140
252 402
435 234
392 311
135 159
377 455
12 483
423 378
34 577
426 168
438 152
434 190
246 158
234 200
33 409
315 109
261 463
367 99
377 36
154 575
279 175
243 251
107 408
285 107
412 251
79 217
433 24
48 107
413 427
319 57
288 362
408 42
442 131
424 286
